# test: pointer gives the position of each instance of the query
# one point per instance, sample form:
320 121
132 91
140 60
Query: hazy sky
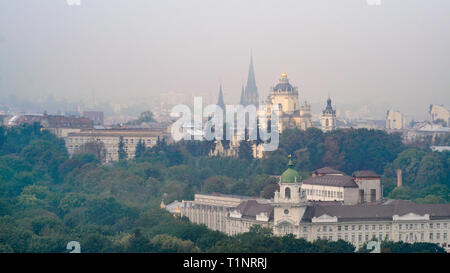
396 54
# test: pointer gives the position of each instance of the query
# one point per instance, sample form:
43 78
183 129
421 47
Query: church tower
250 94
289 202
328 118
220 101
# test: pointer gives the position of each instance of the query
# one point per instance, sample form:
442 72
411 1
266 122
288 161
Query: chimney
399 177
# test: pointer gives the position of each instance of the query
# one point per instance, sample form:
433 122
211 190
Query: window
373 194
287 193
339 228
353 227
431 236
346 227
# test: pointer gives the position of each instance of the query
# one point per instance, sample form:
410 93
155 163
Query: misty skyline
395 55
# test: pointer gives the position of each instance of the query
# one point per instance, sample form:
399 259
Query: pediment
324 218
411 217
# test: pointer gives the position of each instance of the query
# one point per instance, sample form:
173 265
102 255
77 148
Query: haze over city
395 55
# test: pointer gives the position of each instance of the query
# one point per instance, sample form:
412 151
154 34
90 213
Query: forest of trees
48 198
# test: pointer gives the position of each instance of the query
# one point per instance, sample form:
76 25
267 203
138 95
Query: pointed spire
220 101
251 91
242 102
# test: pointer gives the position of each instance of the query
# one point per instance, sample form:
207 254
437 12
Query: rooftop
331 180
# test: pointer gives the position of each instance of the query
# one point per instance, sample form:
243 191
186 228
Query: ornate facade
291 113
292 212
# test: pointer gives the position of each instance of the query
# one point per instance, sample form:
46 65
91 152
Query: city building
328 117
111 138
291 113
439 113
395 120
292 212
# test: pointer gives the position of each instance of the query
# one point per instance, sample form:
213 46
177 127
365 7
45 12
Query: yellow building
111 139
438 112
291 113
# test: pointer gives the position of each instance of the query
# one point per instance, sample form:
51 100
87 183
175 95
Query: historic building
292 211
328 117
291 113
111 138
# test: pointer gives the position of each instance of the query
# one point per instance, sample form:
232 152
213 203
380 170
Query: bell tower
289 202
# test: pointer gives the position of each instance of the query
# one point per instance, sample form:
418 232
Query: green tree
140 149
245 150
122 153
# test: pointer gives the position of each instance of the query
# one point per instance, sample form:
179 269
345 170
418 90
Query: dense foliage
48 199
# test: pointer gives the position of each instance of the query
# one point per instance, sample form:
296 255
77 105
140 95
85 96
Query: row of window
113 140
422 226
415 237
352 227
325 193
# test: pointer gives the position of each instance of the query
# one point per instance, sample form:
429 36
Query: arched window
326 122
287 193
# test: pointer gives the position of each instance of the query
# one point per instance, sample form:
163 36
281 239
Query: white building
290 212
328 117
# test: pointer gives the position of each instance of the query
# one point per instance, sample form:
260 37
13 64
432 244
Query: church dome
290 175
284 84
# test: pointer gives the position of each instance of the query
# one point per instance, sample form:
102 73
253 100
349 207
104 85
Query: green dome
290 175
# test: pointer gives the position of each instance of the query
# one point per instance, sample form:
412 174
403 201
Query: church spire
251 91
220 101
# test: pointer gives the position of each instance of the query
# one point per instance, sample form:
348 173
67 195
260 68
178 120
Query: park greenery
48 198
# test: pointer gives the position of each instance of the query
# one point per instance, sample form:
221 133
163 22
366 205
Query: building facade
111 138
291 113
439 113
395 120
292 212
